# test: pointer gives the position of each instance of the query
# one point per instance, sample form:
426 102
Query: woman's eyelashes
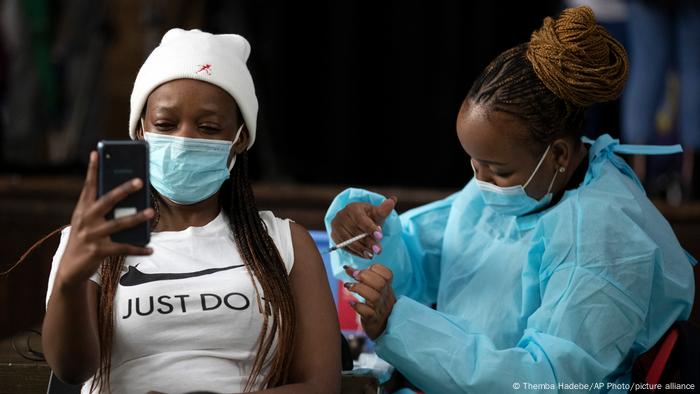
210 129
495 171
206 128
502 174
164 126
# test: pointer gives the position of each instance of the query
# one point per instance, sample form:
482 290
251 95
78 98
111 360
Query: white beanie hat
219 59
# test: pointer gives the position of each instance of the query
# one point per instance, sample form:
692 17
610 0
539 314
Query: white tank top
187 317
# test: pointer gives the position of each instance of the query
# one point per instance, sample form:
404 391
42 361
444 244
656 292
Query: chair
675 359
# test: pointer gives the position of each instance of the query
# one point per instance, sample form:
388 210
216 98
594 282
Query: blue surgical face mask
513 200
188 170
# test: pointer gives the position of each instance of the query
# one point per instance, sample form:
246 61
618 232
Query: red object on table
347 316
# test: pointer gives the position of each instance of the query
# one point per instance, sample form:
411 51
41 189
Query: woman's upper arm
70 333
316 360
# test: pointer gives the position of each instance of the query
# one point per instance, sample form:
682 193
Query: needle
347 242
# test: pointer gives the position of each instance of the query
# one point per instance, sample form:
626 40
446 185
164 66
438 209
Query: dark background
351 92
368 92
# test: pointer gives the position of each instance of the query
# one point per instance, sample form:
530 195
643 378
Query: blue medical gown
572 294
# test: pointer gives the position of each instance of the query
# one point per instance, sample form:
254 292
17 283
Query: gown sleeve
411 247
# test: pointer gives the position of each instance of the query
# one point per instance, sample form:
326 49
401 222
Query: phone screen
121 161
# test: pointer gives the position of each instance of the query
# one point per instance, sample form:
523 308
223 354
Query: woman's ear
562 150
140 125
242 144
139 131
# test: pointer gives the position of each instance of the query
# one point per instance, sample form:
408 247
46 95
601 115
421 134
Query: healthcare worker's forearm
69 334
441 354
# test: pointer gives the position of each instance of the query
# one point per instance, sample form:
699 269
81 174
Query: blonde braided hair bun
577 59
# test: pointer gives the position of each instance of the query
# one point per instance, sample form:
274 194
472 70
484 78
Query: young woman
551 269
225 298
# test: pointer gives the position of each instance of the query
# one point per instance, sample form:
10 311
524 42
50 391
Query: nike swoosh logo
134 277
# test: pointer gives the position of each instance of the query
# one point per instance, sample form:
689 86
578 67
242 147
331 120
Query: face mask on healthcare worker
188 170
513 200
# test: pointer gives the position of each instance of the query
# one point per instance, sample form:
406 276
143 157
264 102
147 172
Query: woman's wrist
69 286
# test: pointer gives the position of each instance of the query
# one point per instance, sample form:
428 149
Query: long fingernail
349 270
376 249
378 235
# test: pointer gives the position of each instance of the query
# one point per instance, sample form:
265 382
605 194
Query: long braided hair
265 265
548 83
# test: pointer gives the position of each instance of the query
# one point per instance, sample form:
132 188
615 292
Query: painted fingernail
347 285
379 228
352 303
346 267
376 249
378 235
368 254
356 275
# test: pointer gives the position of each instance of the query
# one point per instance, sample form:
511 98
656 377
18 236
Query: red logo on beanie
204 67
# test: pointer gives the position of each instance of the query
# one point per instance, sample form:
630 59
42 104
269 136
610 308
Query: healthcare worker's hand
374 285
89 242
358 218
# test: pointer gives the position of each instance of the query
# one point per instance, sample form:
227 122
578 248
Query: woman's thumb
384 209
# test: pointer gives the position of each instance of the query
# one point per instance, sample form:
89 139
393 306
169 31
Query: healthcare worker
551 269
225 298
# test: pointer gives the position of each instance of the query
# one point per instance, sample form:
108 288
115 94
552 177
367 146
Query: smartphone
121 161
